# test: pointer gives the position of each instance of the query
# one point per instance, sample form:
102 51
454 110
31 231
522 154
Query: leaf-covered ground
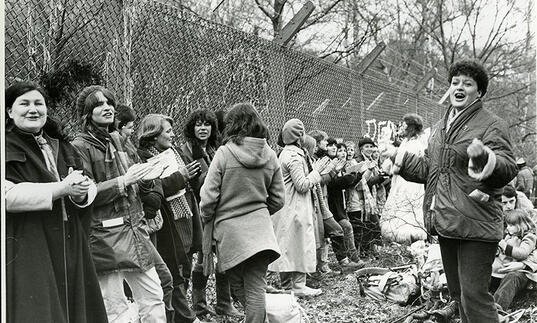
341 301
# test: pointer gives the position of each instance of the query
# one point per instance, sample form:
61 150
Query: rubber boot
224 303
199 297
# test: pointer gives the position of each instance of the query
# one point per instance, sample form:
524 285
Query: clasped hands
76 185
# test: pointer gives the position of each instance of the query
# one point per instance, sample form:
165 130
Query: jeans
468 268
348 237
146 291
511 284
335 232
248 282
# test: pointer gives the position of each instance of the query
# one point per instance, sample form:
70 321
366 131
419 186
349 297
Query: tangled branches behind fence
162 59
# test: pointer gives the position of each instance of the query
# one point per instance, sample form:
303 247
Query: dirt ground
341 301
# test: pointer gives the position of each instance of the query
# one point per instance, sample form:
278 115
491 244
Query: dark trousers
510 285
248 282
166 282
366 233
468 268
334 231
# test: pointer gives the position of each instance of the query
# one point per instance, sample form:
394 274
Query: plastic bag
283 308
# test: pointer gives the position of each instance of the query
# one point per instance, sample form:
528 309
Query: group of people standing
92 219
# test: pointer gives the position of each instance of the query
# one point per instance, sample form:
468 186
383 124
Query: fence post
293 26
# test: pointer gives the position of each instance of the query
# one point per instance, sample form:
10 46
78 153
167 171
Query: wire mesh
162 59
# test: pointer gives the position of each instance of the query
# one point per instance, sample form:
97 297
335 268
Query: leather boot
224 303
199 298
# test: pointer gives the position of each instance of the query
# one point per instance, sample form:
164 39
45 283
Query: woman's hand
76 185
136 172
190 170
512 266
339 164
478 154
321 164
502 244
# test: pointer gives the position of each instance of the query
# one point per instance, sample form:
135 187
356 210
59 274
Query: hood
252 153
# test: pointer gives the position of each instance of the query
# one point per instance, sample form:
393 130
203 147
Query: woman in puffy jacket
119 243
468 161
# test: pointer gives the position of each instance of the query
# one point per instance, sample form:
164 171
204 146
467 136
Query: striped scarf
178 202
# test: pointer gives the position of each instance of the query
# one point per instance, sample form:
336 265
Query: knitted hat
292 130
366 140
83 96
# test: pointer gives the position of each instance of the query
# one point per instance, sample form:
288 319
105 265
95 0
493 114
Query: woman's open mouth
459 96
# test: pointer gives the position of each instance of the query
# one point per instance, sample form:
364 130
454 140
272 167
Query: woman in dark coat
175 238
202 140
468 161
50 273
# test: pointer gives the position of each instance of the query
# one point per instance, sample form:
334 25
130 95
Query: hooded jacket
463 206
243 188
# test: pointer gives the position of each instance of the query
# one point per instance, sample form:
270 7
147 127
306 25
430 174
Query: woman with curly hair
202 141
468 161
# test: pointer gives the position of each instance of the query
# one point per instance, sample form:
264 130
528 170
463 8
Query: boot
348 265
299 286
199 298
224 303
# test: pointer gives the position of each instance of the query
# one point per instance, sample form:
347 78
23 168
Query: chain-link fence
161 59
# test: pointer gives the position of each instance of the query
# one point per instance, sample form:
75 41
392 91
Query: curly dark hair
473 69
202 115
331 141
124 114
414 124
241 121
509 191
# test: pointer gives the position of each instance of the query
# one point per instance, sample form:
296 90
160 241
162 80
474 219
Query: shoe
348 265
306 291
325 269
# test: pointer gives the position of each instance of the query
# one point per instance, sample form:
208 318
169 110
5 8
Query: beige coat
293 224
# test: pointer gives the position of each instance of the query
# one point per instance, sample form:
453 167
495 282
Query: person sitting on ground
516 263
350 258
513 199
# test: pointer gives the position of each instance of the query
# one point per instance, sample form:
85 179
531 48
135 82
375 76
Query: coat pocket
15 156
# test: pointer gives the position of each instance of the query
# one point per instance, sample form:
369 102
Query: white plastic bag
283 308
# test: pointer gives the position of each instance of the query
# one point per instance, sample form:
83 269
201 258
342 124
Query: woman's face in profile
165 138
29 112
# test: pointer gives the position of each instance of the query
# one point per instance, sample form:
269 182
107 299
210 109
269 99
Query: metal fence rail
162 59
